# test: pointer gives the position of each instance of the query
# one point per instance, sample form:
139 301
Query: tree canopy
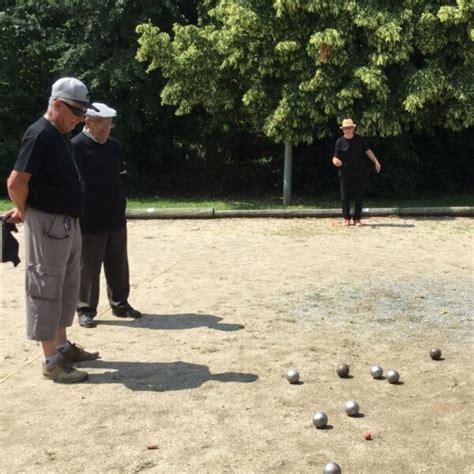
233 79
94 40
292 69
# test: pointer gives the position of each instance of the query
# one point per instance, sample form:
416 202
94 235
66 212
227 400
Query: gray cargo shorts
53 255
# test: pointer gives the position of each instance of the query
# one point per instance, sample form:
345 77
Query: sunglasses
77 111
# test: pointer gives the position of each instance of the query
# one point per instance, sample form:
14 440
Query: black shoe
126 311
86 320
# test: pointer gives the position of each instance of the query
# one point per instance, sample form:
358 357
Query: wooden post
287 174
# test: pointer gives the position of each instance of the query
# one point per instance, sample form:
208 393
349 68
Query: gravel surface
229 306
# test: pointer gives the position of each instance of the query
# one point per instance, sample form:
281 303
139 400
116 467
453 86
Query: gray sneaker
63 373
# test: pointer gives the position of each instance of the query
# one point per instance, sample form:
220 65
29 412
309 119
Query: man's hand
378 167
337 162
13 216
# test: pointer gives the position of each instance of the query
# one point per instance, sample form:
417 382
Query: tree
244 76
290 70
94 40
28 46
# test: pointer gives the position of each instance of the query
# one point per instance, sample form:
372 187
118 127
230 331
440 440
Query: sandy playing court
229 306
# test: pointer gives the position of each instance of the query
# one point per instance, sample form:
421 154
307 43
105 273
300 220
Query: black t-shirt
47 155
101 166
352 153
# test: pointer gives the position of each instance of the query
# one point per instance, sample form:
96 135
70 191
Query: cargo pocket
59 228
42 282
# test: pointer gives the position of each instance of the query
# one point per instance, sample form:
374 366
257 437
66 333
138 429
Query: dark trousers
352 188
111 250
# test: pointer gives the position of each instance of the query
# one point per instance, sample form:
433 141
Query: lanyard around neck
73 158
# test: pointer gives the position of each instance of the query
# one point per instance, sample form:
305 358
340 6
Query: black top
101 166
352 153
47 155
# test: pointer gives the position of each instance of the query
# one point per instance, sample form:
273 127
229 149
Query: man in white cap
103 223
46 188
350 156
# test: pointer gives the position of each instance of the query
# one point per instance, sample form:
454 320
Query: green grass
275 202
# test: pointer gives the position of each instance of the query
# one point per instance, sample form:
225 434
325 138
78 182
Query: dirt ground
229 306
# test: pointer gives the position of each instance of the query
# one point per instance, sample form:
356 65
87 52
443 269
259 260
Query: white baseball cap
101 111
70 88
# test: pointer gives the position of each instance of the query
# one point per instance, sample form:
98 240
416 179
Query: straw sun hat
348 123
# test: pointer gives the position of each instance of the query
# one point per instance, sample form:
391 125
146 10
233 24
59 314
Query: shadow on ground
160 376
376 226
173 321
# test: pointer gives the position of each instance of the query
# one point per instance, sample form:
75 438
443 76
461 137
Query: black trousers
352 189
109 249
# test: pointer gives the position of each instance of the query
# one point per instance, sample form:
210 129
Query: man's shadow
173 321
160 376
377 226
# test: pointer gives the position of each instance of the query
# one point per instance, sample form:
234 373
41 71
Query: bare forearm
18 190
18 196
376 162
372 156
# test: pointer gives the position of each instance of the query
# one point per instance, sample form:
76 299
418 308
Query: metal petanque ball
332 468
343 370
393 376
376 371
293 376
320 419
352 408
435 354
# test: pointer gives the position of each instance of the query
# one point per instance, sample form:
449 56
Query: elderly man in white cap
350 156
103 223
46 188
